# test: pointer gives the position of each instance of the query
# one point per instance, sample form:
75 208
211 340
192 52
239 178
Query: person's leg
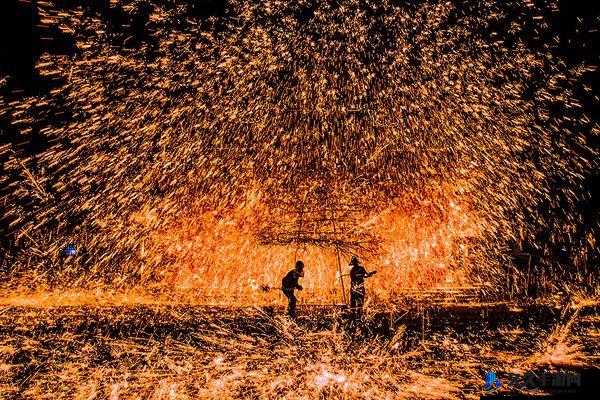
289 294
360 301
292 306
354 303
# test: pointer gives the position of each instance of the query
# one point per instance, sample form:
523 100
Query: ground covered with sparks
181 352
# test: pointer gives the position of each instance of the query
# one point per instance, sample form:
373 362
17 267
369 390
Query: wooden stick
337 250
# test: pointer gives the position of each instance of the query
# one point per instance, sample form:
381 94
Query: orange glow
219 256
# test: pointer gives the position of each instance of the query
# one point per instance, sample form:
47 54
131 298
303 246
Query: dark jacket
290 281
358 273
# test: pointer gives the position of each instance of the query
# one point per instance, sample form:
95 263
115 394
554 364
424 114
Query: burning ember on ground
164 164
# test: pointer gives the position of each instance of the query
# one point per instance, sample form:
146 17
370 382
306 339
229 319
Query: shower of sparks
189 156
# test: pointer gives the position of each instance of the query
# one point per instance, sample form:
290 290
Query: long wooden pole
337 250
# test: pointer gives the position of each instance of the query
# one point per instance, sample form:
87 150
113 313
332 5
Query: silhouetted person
358 273
289 283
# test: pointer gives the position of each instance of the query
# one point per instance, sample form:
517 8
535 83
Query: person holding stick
358 273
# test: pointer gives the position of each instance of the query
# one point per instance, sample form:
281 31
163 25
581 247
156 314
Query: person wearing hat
358 273
289 283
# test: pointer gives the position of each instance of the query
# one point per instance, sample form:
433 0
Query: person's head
354 261
299 267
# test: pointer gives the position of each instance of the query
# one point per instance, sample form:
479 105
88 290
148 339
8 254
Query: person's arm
368 274
298 286
295 282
